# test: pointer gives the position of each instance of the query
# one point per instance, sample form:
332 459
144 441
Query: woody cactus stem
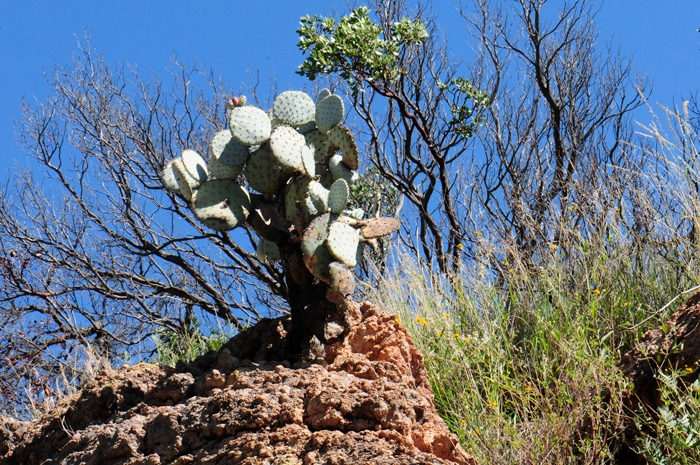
302 162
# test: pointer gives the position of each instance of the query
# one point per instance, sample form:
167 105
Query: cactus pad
340 171
344 243
250 125
329 112
167 177
356 213
342 279
379 227
308 161
286 144
268 251
195 165
338 196
319 196
322 95
294 108
308 127
228 150
221 170
341 139
221 204
319 141
317 257
186 183
263 173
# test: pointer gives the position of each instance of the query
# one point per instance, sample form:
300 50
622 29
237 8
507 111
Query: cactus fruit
221 204
286 144
228 150
250 125
344 243
329 112
338 196
379 227
294 108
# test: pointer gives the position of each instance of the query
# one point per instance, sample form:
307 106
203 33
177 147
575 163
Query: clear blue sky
230 36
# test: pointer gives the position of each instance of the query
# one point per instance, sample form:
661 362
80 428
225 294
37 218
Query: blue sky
231 36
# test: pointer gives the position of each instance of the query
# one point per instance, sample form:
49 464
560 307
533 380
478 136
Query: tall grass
523 360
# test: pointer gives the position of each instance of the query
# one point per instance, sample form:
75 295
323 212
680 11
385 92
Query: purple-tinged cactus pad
342 279
379 227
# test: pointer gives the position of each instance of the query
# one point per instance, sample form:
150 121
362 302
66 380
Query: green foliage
355 47
672 432
188 344
460 91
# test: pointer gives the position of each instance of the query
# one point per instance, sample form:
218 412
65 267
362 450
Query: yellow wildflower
596 291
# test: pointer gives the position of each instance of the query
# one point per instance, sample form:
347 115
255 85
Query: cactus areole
303 161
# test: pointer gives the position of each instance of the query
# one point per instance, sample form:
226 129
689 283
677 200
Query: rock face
368 401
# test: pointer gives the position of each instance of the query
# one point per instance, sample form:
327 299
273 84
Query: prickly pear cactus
302 164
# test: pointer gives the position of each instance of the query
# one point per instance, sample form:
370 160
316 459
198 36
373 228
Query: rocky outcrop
368 400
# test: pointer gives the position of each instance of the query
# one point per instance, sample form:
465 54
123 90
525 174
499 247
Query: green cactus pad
344 243
260 251
340 171
319 196
307 161
167 177
379 227
294 108
263 173
317 257
268 251
322 95
308 127
355 213
329 112
290 200
286 144
228 150
221 204
221 170
341 139
250 125
186 183
342 279
195 165
338 196
319 141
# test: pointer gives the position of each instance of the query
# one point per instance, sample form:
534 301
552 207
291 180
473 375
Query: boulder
367 400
